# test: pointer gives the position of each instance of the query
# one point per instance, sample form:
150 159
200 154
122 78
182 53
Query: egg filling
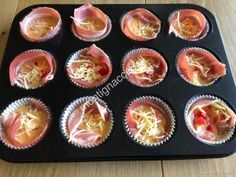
150 124
31 74
212 120
41 26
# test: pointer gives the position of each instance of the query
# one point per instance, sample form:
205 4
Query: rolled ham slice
216 68
40 24
140 25
32 57
144 67
86 138
90 23
98 62
188 24
206 124
80 129
24 127
148 120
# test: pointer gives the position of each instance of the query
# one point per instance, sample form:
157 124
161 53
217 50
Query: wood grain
184 168
7 8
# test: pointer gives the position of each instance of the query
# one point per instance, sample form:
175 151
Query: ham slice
31 56
132 122
86 138
76 117
82 136
144 18
8 121
158 68
198 19
40 13
12 123
217 69
147 120
206 124
100 59
87 12
96 52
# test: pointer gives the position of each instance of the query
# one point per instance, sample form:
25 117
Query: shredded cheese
150 124
218 120
30 74
144 68
85 69
142 29
91 23
91 122
204 71
216 109
187 27
141 66
32 122
39 27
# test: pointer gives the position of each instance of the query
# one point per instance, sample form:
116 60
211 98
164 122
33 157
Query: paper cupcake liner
130 53
130 37
53 74
57 30
73 57
109 27
183 77
190 126
203 34
11 108
167 109
70 108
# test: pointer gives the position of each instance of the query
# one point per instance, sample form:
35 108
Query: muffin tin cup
109 27
73 57
185 79
131 52
203 34
70 108
12 107
52 76
130 37
167 109
191 128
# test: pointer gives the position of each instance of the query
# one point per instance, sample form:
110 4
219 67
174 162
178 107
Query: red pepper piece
198 113
212 128
200 121
209 128
196 68
104 69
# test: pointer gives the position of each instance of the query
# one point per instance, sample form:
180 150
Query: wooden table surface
225 12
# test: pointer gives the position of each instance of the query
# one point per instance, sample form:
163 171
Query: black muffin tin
59 92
